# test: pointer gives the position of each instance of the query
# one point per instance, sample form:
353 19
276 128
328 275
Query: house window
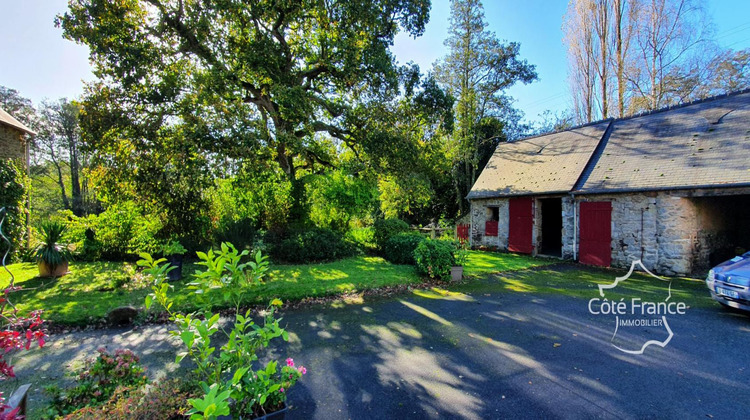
490 226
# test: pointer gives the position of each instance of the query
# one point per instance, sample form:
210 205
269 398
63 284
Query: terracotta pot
45 270
457 273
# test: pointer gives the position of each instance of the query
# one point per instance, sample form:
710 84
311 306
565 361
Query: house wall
480 214
12 144
663 230
660 229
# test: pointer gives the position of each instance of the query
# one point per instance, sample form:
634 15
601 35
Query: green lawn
92 289
580 281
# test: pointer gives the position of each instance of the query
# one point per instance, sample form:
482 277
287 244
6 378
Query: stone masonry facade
662 229
12 144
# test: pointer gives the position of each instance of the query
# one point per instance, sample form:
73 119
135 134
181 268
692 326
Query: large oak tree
186 86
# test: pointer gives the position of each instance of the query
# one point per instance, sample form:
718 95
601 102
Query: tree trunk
620 58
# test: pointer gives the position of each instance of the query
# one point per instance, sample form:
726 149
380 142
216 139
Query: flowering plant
228 382
17 332
97 381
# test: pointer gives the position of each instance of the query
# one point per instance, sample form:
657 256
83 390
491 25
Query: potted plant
173 251
52 256
461 255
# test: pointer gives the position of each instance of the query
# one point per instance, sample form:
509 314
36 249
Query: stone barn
13 139
671 188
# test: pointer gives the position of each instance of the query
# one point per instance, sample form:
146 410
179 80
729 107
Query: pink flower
290 362
281 390
302 370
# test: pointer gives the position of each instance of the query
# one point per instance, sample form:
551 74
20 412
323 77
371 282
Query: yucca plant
50 251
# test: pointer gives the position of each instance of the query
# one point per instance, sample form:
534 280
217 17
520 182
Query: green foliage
181 84
308 245
13 189
166 399
226 373
399 249
97 381
461 253
363 237
173 248
434 258
387 228
224 271
240 232
336 198
120 232
214 403
50 251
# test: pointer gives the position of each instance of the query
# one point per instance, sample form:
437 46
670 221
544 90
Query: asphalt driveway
484 355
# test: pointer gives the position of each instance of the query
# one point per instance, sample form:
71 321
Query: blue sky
35 60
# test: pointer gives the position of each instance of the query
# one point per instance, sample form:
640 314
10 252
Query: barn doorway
552 223
521 225
596 233
724 230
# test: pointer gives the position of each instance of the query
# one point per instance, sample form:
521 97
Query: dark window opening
552 224
724 230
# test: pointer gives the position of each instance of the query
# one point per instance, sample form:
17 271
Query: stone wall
660 229
480 213
570 226
664 230
12 144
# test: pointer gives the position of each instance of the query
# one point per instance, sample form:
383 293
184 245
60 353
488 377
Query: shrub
399 249
386 228
97 381
13 186
310 245
119 233
434 258
241 233
166 399
363 237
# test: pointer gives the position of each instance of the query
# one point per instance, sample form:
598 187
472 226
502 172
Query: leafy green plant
399 249
387 228
461 253
50 251
13 187
225 374
310 245
173 248
434 258
97 381
213 404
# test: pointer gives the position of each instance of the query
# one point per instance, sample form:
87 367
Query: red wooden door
596 233
521 224
462 231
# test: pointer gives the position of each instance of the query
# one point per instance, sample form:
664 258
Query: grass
580 281
92 289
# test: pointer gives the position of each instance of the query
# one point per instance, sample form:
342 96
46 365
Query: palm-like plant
50 251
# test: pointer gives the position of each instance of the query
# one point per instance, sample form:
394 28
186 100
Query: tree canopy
185 85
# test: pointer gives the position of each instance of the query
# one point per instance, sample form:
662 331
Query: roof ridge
642 114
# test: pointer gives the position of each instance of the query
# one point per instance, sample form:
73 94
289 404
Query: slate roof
8 119
550 163
706 144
